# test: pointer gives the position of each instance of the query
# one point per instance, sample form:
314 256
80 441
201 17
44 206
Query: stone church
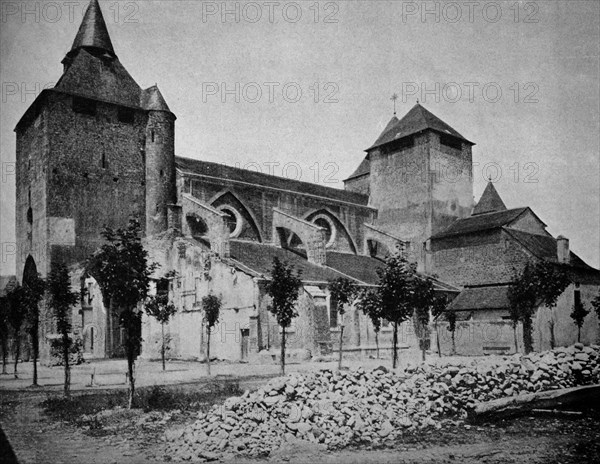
97 149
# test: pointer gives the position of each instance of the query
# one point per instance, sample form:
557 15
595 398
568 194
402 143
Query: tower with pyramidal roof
93 151
418 175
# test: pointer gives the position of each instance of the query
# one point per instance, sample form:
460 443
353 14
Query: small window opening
29 197
162 173
126 115
84 106
29 215
29 163
85 175
152 135
92 338
451 142
103 161
115 179
157 208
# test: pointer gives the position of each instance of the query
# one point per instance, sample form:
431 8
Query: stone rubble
335 409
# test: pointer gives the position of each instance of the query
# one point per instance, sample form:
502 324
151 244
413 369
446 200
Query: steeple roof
152 99
416 120
490 201
93 32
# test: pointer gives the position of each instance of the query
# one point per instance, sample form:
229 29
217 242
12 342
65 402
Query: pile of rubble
339 408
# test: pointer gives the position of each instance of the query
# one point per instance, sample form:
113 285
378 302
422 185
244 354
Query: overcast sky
313 82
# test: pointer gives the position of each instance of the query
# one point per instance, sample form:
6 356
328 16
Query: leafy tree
284 288
437 310
159 307
450 317
61 300
123 272
369 304
395 287
212 307
514 313
16 318
578 315
4 331
342 291
537 284
33 292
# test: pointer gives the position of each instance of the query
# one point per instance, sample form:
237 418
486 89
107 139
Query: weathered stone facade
97 150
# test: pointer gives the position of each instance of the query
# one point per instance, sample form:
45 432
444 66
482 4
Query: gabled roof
489 202
481 222
416 120
205 168
476 298
363 168
545 247
93 32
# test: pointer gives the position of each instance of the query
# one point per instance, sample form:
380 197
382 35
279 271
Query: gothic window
233 220
84 106
126 115
326 223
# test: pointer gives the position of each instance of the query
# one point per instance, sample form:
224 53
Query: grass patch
156 398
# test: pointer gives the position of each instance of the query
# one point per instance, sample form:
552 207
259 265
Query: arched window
234 219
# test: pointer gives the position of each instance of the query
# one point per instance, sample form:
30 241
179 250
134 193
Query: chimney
562 249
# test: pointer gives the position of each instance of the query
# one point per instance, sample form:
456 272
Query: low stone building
483 254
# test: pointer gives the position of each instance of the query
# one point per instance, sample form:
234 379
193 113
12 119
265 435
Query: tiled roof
93 31
363 168
476 298
545 247
481 222
489 202
259 258
416 120
363 268
252 177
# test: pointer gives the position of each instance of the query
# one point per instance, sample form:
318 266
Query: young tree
159 307
370 305
342 292
4 331
33 292
437 310
16 318
212 307
394 294
450 317
123 272
61 300
423 300
284 288
514 313
578 315
539 283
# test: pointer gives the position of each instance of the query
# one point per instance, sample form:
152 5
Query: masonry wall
360 184
95 177
482 258
259 202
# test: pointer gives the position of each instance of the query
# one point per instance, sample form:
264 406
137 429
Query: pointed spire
93 32
153 100
490 201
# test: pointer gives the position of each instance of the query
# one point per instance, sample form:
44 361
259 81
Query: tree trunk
282 350
162 347
527 335
395 346
341 343
515 335
552 337
578 334
208 351
437 339
17 353
66 364
35 346
130 373
4 355
377 343
453 344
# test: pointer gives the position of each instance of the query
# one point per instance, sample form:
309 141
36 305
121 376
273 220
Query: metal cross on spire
394 98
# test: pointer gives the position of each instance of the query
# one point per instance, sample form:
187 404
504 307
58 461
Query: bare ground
38 438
